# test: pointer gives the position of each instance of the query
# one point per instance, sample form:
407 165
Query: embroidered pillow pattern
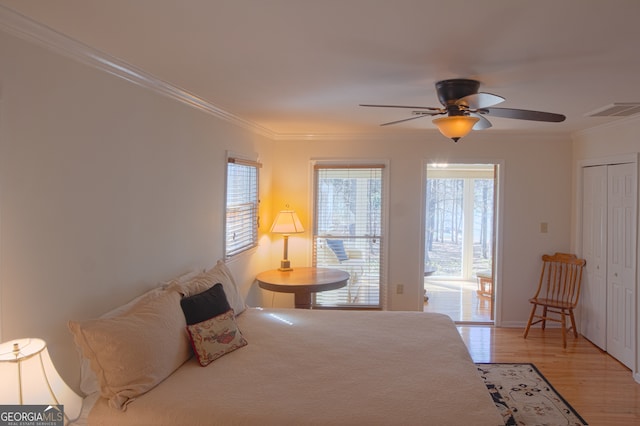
215 337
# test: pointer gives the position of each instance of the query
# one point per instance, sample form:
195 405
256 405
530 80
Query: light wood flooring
459 300
600 389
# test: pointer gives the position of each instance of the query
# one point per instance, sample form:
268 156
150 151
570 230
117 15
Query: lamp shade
287 222
455 126
29 377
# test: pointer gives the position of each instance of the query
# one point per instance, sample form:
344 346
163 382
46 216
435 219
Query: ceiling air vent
616 109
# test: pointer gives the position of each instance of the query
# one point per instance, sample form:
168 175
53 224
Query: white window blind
241 220
347 234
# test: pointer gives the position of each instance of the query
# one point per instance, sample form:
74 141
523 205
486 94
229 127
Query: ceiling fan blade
524 114
482 124
405 119
402 106
480 100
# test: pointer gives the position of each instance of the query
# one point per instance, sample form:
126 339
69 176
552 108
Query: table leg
303 299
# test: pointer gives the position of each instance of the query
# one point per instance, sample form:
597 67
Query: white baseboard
523 324
513 324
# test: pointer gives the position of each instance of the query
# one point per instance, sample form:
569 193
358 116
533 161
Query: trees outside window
459 220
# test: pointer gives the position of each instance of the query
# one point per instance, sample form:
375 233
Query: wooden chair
558 292
485 289
351 261
485 284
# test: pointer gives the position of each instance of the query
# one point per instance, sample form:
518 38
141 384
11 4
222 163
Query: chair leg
533 311
563 317
573 324
544 317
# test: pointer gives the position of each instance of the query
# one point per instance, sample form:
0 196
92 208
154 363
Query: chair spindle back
560 278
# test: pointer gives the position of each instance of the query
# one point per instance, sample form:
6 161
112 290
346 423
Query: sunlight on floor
459 300
479 341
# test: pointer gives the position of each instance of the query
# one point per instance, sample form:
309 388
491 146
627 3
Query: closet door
621 267
593 297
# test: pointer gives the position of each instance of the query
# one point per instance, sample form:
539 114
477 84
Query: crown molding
349 136
422 134
27 29
619 121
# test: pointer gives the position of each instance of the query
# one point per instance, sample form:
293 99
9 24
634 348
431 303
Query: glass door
459 241
347 233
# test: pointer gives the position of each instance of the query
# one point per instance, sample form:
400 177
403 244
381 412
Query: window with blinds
241 219
347 231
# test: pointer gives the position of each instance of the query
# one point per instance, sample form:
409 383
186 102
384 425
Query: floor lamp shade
286 223
28 377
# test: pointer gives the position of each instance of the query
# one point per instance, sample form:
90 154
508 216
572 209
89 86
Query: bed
310 367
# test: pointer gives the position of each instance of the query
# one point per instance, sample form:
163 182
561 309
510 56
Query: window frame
250 213
346 164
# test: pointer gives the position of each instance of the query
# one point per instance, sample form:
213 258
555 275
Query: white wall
616 139
107 189
619 138
537 189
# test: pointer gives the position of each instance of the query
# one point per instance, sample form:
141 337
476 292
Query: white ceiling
303 66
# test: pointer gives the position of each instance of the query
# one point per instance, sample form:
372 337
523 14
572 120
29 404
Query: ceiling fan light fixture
456 126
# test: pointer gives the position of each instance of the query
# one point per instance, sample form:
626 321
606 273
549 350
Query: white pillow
231 290
88 380
218 274
134 351
182 278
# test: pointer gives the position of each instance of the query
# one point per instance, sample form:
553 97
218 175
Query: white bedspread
317 367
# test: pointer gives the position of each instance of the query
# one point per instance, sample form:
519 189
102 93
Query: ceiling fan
465 109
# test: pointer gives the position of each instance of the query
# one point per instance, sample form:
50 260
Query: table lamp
286 223
28 377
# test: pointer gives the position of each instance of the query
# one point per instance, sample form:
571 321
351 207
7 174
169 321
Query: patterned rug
525 397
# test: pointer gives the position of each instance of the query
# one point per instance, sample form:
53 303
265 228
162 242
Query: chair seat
552 303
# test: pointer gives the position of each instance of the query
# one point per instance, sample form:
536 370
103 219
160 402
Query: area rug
525 397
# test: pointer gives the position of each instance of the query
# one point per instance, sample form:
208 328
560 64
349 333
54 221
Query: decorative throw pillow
215 337
205 305
337 246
